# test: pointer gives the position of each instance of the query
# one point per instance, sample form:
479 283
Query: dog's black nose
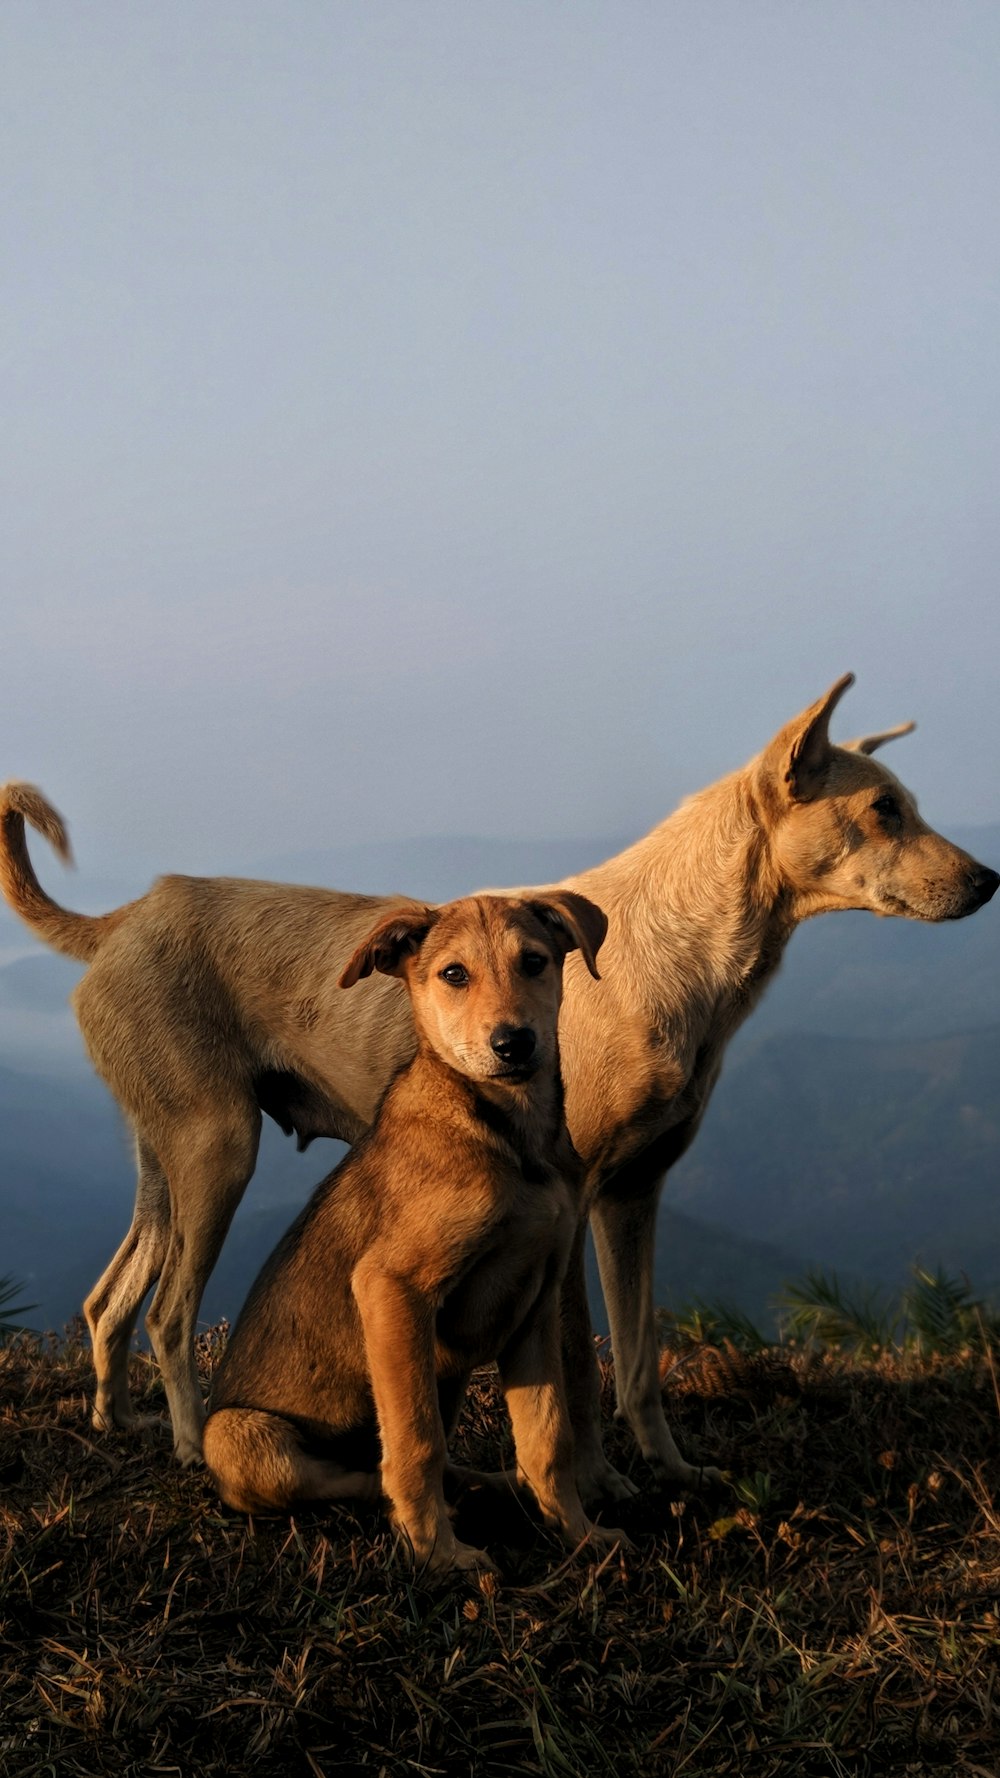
513 1043
984 883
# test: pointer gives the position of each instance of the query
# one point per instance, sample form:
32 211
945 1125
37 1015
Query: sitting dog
438 1243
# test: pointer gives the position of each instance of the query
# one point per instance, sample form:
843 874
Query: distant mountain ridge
864 1154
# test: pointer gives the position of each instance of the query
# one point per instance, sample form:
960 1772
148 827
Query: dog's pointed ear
871 743
575 923
800 753
389 944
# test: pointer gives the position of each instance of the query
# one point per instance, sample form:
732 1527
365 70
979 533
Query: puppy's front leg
398 1322
532 1377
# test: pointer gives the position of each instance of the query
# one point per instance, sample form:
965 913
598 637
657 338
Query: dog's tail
75 935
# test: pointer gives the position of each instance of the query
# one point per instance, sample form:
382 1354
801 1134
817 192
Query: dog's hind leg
596 1478
624 1231
208 1165
113 1304
258 1464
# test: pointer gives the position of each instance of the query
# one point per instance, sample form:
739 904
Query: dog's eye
886 805
456 975
533 962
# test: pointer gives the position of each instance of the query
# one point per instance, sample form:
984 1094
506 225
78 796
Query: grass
835 1613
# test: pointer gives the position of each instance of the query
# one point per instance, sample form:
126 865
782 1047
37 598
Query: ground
836 1612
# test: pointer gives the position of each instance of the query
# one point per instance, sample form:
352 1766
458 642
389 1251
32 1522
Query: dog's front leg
398 1322
596 1479
532 1377
624 1234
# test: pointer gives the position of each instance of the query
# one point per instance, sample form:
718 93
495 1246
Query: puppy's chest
522 1254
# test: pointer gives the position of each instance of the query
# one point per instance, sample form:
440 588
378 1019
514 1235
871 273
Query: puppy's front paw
451 1557
603 1538
467 1557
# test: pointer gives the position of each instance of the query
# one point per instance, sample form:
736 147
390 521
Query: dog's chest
523 1256
653 1115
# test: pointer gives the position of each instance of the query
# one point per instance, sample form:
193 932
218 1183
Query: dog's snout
984 884
513 1043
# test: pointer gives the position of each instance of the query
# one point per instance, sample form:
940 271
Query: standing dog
210 1000
437 1244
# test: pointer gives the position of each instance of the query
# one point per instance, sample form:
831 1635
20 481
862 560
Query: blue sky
447 419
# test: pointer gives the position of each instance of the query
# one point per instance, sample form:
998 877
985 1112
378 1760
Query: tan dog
438 1244
209 1000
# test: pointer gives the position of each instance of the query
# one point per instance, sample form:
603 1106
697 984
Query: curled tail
75 935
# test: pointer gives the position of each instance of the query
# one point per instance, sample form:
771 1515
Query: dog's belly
300 1107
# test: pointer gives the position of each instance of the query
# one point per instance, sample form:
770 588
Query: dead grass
837 1614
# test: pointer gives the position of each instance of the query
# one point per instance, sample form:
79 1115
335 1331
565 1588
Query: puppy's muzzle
514 1046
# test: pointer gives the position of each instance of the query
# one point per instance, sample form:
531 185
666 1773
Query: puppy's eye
533 962
456 975
886 805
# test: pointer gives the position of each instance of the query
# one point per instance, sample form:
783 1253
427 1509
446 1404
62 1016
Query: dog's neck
699 914
528 1115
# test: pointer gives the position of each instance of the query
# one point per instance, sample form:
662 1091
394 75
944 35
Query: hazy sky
447 418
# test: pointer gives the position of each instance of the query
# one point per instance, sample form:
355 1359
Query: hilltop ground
838 1613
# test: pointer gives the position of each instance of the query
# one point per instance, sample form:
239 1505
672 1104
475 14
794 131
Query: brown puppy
439 1243
209 1000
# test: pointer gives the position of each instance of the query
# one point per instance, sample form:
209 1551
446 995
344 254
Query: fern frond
10 1289
820 1308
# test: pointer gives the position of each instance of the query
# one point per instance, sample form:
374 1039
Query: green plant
10 1309
698 1322
821 1309
942 1315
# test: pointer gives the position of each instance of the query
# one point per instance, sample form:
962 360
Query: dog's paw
188 1452
604 1538
602 1482
114 1419
698 1478
467 1557
457 1558
152 1425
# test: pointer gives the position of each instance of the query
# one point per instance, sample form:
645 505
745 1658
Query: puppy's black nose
513 1043
985 884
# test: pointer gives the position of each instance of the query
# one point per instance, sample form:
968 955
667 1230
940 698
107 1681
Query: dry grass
837 1614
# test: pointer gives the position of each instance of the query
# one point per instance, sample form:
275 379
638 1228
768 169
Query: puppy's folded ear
389 944
575 923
